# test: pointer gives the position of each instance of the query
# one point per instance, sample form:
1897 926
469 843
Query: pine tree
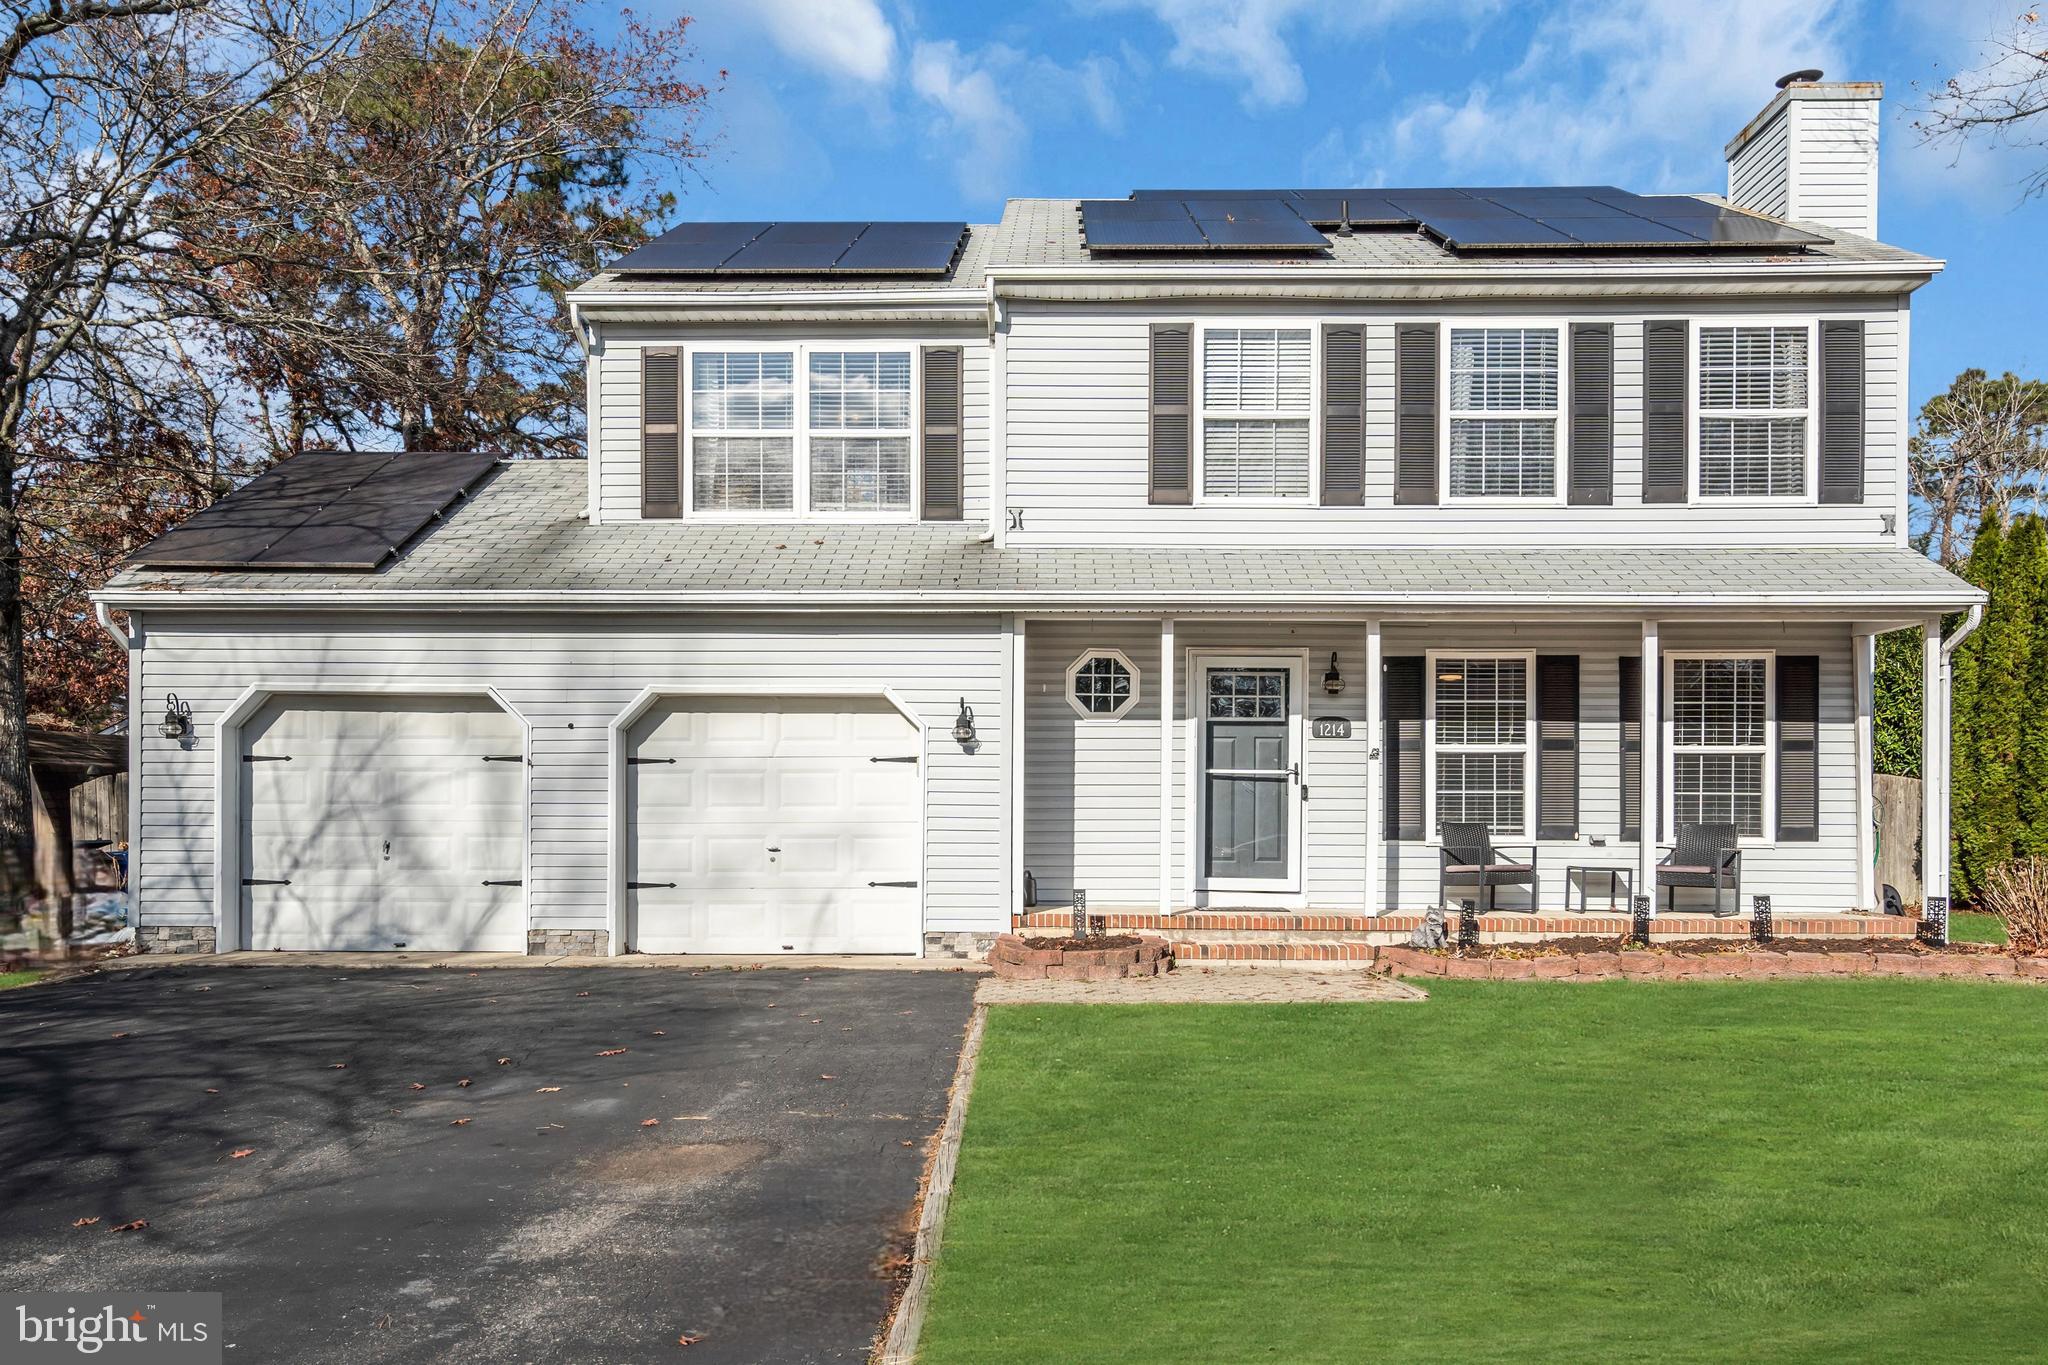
1965 729
2029 558
2000 704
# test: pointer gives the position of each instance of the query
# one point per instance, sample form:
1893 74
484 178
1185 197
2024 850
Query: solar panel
322 510
923 248
1513 217
1276 234
1214 223
1123 224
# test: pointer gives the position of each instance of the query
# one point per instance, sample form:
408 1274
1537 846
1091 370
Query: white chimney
1811 154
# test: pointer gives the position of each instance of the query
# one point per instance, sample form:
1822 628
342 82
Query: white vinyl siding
1755 411
1256 391
568 677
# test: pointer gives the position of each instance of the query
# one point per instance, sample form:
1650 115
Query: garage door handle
266 881
514 882
642 886
650 760
892 883
504 758
266 758
907 758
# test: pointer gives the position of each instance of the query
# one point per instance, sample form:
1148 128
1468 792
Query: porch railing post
1375 824
1652 774
1863 645
1166 699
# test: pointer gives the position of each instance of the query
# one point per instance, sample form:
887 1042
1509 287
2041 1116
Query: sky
848 109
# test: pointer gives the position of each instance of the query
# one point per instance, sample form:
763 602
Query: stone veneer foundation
959 945
174 938
568 942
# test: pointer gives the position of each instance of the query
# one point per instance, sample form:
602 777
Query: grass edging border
1710 966
899 1344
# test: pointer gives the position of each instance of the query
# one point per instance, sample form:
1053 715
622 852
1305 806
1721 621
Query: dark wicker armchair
1468 854
1705 855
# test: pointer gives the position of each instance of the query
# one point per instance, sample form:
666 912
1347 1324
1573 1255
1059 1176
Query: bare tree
100 104
1980 454
2001 100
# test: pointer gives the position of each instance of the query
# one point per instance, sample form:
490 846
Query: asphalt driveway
386 1211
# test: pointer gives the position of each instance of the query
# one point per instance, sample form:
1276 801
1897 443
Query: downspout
998 457
104 615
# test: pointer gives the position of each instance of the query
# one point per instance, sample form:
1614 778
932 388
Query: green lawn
9 980
1974 928
1784 1171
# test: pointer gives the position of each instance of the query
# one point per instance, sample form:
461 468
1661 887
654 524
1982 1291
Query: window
1102 684
1753 412
855 394
1503 412
1480 736
851 453
1255 412
1720 728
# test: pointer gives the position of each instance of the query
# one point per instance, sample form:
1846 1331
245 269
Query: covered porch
1283 785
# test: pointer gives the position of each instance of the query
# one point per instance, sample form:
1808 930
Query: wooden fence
1898 835
99 809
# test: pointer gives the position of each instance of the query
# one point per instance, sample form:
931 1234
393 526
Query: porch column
1375 826
1014 659
1863 647
1652 764
1166 696
1933 763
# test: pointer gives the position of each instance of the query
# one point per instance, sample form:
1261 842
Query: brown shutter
1841 412
1557 746
1401 746
1415 347
1343 416
1798 748
1631 748
661 438
1664 411
1591 479
941 447
1172 465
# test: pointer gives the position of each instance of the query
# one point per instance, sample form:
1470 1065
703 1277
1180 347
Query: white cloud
1611 90
1248 42
845 38
987 101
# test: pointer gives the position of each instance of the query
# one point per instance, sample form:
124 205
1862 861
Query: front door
1251 775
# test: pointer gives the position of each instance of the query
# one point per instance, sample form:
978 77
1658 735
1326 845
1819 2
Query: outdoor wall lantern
177 721
963 724
1333 681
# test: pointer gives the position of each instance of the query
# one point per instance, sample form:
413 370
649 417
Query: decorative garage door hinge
266 758
892 883
514 882
643 886
504 758
907 758
650 760
266 881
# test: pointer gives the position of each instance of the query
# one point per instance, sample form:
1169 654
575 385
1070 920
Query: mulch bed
1069 944
1100 957
1596 959
1784 947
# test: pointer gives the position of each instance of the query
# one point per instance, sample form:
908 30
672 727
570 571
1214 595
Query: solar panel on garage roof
921 248
322 510
1225 223
1517 217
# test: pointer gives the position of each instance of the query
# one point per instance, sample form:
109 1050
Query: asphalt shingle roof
522 537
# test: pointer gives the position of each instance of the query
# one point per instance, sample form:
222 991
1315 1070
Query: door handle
387 850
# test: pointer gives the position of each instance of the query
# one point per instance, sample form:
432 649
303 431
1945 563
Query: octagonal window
1102 684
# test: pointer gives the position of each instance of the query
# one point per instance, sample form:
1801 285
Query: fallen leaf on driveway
338 1066
649 1123
241 1152
906 1142
581 994
457 1123
464 1082
417 1086
83 1222
211 1091
828 1078
547 1090
504 1061
689 1338
661 1033
136 1226
612 1052
771 1004
120 1035
693 1118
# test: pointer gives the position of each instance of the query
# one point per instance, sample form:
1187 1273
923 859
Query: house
1204 552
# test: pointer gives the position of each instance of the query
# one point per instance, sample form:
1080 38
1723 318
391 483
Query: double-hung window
805 431
1479 732
1256 385
1503 412
1754 412
1720 741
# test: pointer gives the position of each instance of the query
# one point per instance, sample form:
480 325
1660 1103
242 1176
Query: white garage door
378 823
774 825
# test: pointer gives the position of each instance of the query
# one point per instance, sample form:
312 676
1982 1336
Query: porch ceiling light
1333 681
177 721
963 724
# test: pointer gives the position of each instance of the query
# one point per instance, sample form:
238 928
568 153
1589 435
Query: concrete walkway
1233 985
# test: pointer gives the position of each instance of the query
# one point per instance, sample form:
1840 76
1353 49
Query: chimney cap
1809 74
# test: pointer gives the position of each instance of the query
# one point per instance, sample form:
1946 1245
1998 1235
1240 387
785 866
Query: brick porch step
1275 927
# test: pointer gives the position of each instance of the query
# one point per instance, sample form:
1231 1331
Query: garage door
772 826
377 823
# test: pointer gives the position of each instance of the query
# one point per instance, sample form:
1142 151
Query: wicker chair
1468 854
1705 855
